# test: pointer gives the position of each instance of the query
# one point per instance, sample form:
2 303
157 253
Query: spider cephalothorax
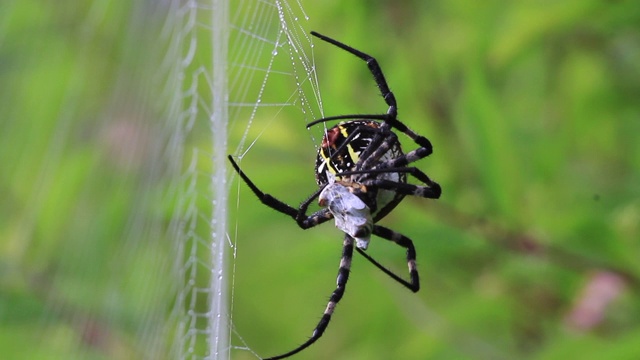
361 174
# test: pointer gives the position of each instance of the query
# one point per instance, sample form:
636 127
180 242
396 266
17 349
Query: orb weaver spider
361 173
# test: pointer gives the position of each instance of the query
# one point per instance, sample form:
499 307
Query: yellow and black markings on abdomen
349 154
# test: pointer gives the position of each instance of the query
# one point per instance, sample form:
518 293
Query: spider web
117 117
115 239
259 70
117 216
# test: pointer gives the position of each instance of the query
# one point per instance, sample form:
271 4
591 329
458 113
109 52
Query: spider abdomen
341 150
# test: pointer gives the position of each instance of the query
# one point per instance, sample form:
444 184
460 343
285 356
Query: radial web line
235 71
272 84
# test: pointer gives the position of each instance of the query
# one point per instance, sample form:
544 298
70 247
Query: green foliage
533 111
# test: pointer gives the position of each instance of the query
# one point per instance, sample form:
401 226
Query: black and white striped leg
429 192
414 280
399 161
390 140
343 277
432 189
381 143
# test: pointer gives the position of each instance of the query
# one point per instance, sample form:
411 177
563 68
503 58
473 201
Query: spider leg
384 146
299 214
418 139
379 146
414 280
374 68
432 190
381 136
343 277
411 156
350 116
390 117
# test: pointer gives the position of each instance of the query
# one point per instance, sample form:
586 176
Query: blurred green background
531 253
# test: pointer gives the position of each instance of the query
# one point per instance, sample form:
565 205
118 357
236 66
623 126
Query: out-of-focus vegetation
532 251
82 261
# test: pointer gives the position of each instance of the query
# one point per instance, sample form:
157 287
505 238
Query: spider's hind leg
343 277
414 280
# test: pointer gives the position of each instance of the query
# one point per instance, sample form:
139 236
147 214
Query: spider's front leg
374 68
299 214
422 141
341 284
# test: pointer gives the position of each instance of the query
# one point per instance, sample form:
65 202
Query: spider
361 173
